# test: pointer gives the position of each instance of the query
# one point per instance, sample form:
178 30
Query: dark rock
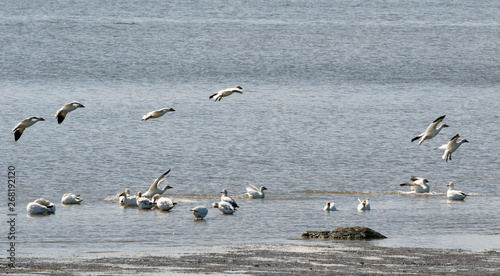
345 233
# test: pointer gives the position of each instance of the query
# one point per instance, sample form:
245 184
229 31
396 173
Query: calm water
334 92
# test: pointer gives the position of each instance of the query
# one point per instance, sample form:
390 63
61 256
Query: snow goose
226 92
451 147
363 205
330 206
431 131
128 200
419 185
19 128
454 194
224 207
199 212
154 189
254 192
51 208
65 109
144 202
164 203
36 208
228 199
71 199
157 113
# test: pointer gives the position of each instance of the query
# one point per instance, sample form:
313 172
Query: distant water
333 93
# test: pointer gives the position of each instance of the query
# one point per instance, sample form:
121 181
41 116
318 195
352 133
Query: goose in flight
226 92
451 147
454 194
61 113
330 206
363 205
164 203
157 113
19 128
199 212
224 207
254 192
419 185
71 199
228 199
154 189
431 131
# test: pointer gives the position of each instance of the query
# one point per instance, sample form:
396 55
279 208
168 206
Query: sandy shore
342 259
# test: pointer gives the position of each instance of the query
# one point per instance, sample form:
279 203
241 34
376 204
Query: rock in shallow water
345 233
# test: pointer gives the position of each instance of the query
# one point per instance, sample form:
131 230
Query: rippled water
333 93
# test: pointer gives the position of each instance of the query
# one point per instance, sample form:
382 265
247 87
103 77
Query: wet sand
257 259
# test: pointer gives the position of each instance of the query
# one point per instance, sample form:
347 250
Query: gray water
333 93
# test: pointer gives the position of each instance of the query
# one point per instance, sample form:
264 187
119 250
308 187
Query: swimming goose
454 194
164 203
157 113
127 199
51 208
254 192
228 199
224 207
36 208
71 199
451 147
330 206
226 92
144 202
61 113
19 128
154 190
419 185
199 212
431 131
363 205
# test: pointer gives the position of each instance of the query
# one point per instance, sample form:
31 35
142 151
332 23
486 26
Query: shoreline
352 258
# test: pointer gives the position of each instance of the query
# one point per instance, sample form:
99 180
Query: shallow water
333 94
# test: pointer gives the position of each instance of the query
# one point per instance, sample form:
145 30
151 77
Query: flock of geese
227 205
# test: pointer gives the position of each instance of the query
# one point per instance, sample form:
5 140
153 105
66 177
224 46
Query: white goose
65 109
363 205
71 199
431 131
419 185
451 147
228 199
330 206
199 212
154 189
144 202
164 203
128 200
254 192
19 128
157 113
41 206
454 194
224 207
226 92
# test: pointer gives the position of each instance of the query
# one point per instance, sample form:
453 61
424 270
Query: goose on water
454 194
41 206
128 200
65 109
157 113
226 92
363 205
199 212
154 189
330 206
144 202
164 203
451 147
19 128
254 192
419 185
431 131
228 199
71 199
224 207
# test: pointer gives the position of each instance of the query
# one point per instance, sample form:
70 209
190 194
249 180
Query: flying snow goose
154 189
226 92
228 199
254 192
63 111
144 202
224 207
330 206
157 113
451 147
199 212
164 203
51 208
454 194
363 205
419 185
128 200
19 128
431 131
71 199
